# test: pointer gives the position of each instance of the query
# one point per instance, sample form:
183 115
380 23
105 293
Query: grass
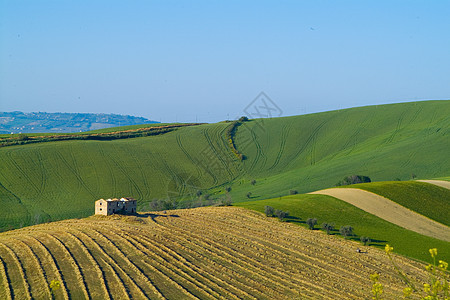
204 253
427 199
332 210
62 179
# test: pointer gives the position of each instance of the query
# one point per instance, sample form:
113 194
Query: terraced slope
207 253
58 180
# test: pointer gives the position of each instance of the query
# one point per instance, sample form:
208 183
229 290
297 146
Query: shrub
365 240
281 214
328 227
225 201
293 192
353 179
346 230
249 195
22 137
228 189
253 182
311 222
199 193
269 211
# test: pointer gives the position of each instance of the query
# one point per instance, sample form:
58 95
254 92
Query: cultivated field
205 253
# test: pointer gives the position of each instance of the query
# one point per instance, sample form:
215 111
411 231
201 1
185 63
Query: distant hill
19 122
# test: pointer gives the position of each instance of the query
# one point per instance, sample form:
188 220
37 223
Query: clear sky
207 60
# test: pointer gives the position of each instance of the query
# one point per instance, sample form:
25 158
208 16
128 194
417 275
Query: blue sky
207 60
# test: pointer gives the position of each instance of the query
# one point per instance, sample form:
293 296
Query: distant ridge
19 122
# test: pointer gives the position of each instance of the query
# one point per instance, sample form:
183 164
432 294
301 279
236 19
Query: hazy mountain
19 122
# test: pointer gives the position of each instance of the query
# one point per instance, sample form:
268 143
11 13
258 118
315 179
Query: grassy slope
62 179
312 152
204 253
332 210
427 199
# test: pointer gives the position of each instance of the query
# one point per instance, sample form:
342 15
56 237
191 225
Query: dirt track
441 183
390 211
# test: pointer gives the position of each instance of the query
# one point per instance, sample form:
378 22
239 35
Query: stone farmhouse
115 206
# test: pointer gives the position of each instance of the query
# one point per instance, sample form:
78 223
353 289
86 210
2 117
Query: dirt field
390 211
441 183
202 253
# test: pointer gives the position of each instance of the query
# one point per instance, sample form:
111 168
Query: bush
249 195
281 214
228 189
225 201
353 179
346 231
365 240
22 137
328 227
253 182
293 192
269 211
311 222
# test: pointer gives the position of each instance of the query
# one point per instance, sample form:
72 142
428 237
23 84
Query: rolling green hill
62 179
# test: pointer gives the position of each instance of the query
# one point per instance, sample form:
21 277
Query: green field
427 199
62 179
331 210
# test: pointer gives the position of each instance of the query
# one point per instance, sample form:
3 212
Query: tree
281 214
253 182
353 179
228 189
311 222
269 211
293 192
346 230
199 193
328 227
243 119
365 240
249 195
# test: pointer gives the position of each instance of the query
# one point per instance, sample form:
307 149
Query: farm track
310 140
74 172
198 170
22 172
203 253
126 174
216 153
284 136
259 152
